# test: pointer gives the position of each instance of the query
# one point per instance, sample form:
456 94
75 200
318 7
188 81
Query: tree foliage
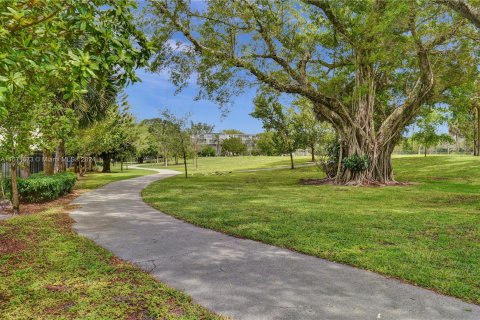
367 67
233 146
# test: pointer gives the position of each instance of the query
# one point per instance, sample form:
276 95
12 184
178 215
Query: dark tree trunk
76 166
425 150
60 165
140 160
185 163
15 195
292 166
47 162
106 163
313 152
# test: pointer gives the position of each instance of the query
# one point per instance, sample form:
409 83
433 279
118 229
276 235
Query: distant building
215 140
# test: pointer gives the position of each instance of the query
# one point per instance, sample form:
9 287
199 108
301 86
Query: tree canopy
367 67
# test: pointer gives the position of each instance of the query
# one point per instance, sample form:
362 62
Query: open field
426 233
47 271
226 164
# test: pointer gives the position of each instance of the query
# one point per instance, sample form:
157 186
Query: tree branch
463 8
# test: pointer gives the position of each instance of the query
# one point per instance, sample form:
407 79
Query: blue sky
155 92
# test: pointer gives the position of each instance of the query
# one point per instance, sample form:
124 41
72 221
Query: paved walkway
5 216
244 279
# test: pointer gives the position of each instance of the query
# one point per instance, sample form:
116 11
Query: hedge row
40 188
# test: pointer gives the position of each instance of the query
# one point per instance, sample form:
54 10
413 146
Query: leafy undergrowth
426 232
47 271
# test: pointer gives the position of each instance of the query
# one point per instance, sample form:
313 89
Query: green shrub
208 151
356 163
40 188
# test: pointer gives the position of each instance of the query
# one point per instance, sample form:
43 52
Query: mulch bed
30 208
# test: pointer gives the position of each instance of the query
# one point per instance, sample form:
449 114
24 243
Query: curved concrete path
245 279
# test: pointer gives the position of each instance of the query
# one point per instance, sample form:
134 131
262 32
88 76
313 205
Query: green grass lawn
226 164
47 271
98 179
427 233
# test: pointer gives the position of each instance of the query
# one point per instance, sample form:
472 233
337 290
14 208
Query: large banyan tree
366 66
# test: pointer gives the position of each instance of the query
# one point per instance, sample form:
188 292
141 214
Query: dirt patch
328 181
11 245
309 182
56 288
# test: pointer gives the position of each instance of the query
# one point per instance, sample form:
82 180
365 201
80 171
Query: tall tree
39 65
366 66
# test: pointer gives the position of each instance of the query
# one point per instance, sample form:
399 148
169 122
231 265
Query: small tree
311 131
265 144
179 134
427 129
281 121
196 130
144 143
207 151
233 145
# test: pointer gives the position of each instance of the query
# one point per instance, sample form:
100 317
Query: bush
208 151
40 188
356 163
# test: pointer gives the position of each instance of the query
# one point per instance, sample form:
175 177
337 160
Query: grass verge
47 271
427 233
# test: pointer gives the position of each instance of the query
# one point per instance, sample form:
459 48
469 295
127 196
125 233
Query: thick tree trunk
312 147
425 150
360 137
106 163
292 166
47 162
379 156
60 165
15 195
